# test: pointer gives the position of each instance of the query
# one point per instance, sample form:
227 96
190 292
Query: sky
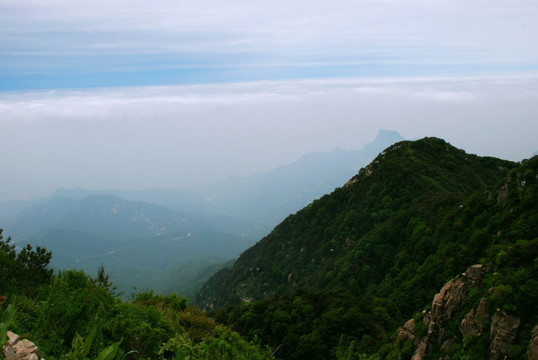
136 94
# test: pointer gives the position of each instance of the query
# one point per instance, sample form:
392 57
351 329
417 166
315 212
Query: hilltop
371 233
341 275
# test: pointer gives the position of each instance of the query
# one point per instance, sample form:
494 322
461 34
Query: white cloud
174 136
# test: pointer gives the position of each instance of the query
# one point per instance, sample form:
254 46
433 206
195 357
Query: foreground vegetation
70 315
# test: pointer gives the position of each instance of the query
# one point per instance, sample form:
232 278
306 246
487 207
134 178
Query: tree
22 272
103 280
8 259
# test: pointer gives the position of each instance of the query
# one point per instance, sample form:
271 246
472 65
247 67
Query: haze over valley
180 236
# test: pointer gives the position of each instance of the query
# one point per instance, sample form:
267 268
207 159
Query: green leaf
110 352
7 320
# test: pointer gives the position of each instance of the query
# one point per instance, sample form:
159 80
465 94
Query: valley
168 240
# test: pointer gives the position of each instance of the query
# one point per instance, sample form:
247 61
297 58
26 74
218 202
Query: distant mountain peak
383 139
387 134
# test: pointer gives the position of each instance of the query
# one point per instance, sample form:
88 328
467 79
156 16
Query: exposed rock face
420 353
532 350
453 295
407 333
13 338
449 344
472 324
503 333
450 300
17 349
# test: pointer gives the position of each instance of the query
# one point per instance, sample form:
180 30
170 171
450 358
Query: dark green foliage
24 271
402 221
80 349
71 304
70 315
510 225
143 329
419 215
307 325
7 320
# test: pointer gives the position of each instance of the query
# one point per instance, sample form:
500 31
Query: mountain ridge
107 213
255 203
240 213
337 222
338 278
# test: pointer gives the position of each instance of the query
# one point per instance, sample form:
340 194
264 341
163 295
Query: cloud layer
176 136
269 81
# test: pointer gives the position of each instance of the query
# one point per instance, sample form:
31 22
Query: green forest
337 280
70 315
378 250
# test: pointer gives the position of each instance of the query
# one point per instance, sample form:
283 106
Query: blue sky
80 44
134 94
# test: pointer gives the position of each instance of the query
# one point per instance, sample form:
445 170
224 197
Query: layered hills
252 205
140 244
171 240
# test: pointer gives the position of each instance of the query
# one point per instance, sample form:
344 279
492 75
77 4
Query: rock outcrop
532 350
446 304
473 323
407 333
503 333
17 349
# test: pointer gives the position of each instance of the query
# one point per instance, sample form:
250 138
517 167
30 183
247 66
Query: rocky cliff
492 330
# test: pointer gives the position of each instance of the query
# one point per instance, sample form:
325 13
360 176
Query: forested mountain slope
399 241
403 220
